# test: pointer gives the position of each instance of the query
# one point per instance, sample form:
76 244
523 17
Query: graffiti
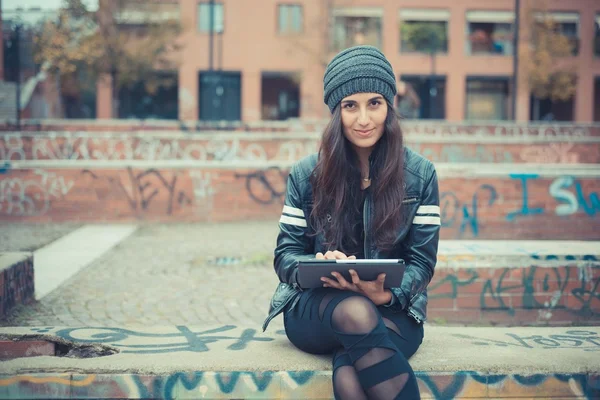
4 168
574 202
525 210
540 288
575 339
144 186
289 384
557 190
265 186
203 184
183 340
13 148
29 197
549 153
461 153
126 146
452 210
503 131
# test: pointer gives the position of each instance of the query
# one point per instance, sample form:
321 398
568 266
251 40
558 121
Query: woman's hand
334 255
374 290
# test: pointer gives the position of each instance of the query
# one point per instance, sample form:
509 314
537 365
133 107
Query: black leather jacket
417 241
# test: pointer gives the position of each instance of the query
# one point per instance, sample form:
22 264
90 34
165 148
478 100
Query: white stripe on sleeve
292 221
428 210
293 211
427 220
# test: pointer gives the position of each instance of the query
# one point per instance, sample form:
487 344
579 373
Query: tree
548 71
425 37
127 40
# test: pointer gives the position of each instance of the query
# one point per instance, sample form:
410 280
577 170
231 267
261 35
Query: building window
422 97
487 98
424 30
204 17
280 95
551 110
290 18
564 23
356 26
490 32
160 102
597 36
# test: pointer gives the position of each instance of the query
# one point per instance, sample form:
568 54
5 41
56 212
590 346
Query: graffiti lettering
265 186
143 188
183 340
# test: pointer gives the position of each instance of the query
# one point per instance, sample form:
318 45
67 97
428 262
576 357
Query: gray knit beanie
359 69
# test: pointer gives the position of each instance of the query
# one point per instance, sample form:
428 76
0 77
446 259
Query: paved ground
198 274
162 274
29 237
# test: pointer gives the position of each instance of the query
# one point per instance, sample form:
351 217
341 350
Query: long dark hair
336 185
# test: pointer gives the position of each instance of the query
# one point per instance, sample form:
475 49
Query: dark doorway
430 100
156 101
220 95
280 95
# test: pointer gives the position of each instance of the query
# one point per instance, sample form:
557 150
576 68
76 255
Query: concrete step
223 362
410 127
484 201
285 147
522 283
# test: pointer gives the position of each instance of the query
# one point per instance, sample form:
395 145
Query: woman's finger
339 255
352 258
330 283
329 255
319 256
342 281
355 278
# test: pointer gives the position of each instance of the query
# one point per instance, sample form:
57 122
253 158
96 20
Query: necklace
366 179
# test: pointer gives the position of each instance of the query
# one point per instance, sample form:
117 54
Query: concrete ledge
16 280
238 362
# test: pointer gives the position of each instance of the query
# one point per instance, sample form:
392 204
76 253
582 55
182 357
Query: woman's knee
355 314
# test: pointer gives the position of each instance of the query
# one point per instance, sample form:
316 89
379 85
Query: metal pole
211 33
18 77
516 58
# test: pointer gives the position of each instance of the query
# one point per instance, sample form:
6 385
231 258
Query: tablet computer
311 271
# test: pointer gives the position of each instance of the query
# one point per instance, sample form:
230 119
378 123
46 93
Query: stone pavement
162 274
211 274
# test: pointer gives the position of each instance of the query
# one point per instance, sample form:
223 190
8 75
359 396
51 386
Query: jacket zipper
365 209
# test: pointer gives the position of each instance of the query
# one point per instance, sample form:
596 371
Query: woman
364 196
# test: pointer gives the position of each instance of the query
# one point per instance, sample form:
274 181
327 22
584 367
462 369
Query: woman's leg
370 359
382 369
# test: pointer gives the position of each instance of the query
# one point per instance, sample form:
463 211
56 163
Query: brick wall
517 296
16 281
279 147
511 206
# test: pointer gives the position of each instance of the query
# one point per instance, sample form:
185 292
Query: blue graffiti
525 210
4 168
469 213
192 341
573 202
594 205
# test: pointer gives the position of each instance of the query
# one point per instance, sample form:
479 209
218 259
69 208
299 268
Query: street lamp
515 58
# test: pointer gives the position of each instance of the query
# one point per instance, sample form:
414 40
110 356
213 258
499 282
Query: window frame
215 27
290 7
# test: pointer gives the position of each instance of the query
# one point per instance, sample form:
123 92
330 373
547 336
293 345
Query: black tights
371 344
